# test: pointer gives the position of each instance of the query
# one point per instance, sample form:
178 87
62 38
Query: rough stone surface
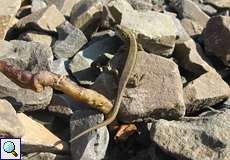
46 19
157 36
10 124
207 90
87 16
33 57
189 9
191 27
155 91
8 10
38 5
35 36
59 66
45 156
219 3
39 139
216 37
201 138
188 56
141 4
80 64
91 146
70 40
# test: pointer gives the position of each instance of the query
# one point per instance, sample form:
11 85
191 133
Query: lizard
129 39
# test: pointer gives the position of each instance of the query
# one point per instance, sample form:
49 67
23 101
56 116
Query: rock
39 139
207 90
142 5
38 5
189 9
45 156
10 124
8 10
45 19
64 6
216 42
189 57
91 146
80 64
218 3
87 16
59 66
148 94
191 27
70 40
195 138
36 37
106 84
181 33
157 36
227 103
30 56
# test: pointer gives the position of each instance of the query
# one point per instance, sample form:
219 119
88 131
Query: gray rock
30 56
8 10
91 146
70 40
80 64
39 139
59 66
191 27
45 156
35 36
207 90
216 42
157 35
10 124
208 9
141 4
196 138
189 57
155 90
45 19
189 9
38 4
227 103
218 3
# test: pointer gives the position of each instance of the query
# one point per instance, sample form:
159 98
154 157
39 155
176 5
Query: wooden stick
39 80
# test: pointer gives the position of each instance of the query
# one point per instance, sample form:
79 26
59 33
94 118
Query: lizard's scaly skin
130 40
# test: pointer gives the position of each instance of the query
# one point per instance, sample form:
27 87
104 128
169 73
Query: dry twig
38 81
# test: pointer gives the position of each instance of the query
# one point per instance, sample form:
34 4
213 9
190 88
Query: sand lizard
128 37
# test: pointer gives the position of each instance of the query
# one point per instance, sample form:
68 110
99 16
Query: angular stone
191 27
8 10
70 40
216 42
189 57
59 66
219 3
65 6
157 35
197 138
39 139
80 64
87 16
46 19
10 124
30 56
92 145
189 9
45 156
141 4
207 90
155 90
35 36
